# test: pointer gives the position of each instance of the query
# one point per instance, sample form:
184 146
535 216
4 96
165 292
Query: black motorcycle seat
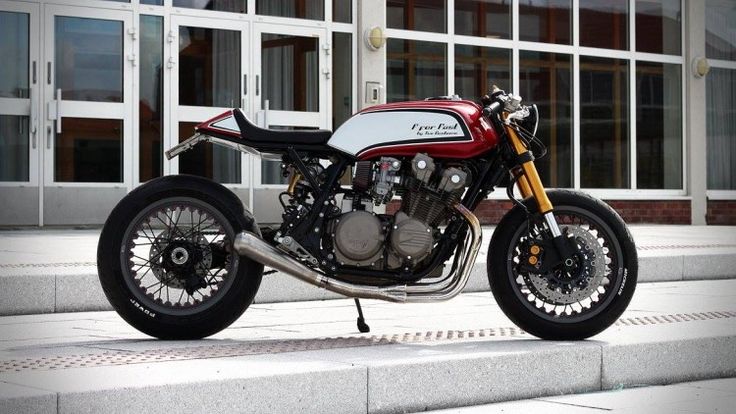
250 132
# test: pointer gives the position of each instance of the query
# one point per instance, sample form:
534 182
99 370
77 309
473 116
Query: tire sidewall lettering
141 308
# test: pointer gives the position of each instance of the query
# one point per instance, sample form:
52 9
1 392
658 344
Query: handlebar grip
491 109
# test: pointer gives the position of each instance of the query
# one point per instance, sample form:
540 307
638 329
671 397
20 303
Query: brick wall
632 211
721 212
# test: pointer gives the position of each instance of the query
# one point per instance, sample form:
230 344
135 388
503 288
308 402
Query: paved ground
308 356
700 397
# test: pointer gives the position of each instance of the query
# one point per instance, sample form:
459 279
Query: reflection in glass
301 9
14 51
152 2
342 11
477 69
209 67
604 123
546 21
151 94
546 80
290 72
89 150
484 18
720 29
342 78
658 125
415 70
235 6
721 128
14 156
658 26
89 59
217 163
424 15
604 23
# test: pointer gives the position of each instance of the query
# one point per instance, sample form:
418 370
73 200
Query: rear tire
519 293
136 248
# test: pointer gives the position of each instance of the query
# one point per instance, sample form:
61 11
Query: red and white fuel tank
441 128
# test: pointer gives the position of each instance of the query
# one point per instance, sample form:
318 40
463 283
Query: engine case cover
359 238
411 240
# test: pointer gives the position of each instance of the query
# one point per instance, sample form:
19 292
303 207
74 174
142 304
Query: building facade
92 92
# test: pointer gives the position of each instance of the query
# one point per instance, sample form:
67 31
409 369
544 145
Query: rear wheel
567 302
166 262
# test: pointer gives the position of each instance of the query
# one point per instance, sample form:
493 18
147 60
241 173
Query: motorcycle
181 258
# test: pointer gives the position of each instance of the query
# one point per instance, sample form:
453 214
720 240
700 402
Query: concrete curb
77 289
386 379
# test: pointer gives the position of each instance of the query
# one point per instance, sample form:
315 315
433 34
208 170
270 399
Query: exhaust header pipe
249 245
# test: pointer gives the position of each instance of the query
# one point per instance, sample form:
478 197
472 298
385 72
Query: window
477 69
422 15
342 78
548 21
658 26
150 112
416 70
302 9
604 24
342 11
546 80
721 127
658 125
235 6
484 18
604 131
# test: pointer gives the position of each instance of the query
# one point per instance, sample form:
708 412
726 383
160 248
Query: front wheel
566 302
166 262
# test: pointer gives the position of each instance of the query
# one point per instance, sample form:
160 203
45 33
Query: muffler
249 245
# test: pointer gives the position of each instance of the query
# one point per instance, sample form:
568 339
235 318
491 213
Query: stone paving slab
308 356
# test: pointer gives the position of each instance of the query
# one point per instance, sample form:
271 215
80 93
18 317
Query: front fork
530 185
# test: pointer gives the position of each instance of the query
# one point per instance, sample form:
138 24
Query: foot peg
362 326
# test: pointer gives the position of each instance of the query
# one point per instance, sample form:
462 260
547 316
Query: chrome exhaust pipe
249 245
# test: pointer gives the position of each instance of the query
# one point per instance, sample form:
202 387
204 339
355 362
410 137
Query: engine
400 241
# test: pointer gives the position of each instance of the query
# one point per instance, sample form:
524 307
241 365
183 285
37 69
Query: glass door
291 90
209 76
88 113
19 106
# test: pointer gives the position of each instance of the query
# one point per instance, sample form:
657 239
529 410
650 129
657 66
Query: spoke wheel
169 254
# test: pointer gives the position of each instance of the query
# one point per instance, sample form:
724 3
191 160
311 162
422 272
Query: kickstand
362 326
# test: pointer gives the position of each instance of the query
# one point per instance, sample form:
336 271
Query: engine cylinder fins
359 239
422 165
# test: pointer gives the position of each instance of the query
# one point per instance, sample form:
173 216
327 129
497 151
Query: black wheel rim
176 256
602 294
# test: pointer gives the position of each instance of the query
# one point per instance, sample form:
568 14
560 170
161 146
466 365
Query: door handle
34 112
48 137
58 111
258 85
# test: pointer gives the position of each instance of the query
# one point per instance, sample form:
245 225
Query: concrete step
307 357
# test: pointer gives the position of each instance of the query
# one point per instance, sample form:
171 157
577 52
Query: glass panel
604 123
721 116
89 59
720 29
212 161
604 23
484 18
151 97
545 21
342 11
424 15
290 71
658 26
153 2
477 69
416 70
89 150
342 78
14 156
14 50
235 6
546 80
301 9
658 125
209 67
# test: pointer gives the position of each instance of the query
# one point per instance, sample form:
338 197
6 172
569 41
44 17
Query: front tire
564 305
165 258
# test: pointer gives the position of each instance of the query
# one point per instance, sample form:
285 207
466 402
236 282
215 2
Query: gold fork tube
529 183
